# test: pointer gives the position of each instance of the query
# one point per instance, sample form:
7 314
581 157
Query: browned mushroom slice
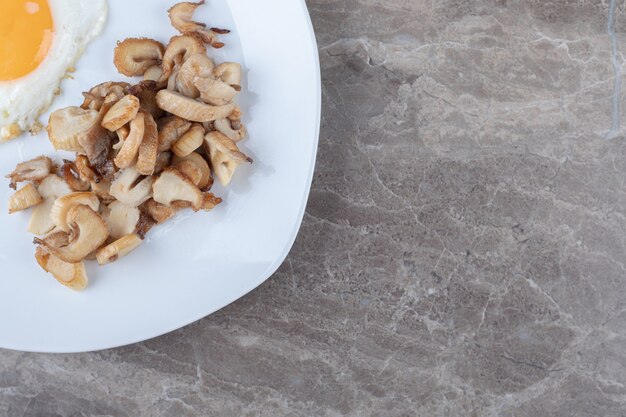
72 177
121 113
129 189
210 201
132 57
190 141
50 188
170 130
128 153
94 98
229 72
122 219
120 248
181 16
189 109
147 158
225 126
206 179
102 188
153 73
24 198
198 65
146 91
84 169
182 45
34 170
88 231
162 162
191 171
173 186
66 125
225 156
215 91
159 212
64 204
72 275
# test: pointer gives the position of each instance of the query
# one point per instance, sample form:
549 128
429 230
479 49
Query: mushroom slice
34 170
225 126
225 156
170 130
210 201
84 168
129 189
95 97
190 109
101 188
162 162
72 275
171 81
121 113
159 212
26 197
50 188
190 141
200 163
229 72
133 56
118 249
146 91
72 177
64 204
215 91
154 73
128 153
182 45
88 231
122 133
122 219
181 16
191 171
66 125
173 186
148 149
198 65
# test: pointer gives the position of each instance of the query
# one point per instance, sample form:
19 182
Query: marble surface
464 248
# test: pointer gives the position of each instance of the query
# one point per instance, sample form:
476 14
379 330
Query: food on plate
144 152
41 42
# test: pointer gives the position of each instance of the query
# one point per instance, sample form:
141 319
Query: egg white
22 101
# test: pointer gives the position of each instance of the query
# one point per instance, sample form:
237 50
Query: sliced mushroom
163 161
210 202
225 156
72 177
181 16
50 188
84 169
24 198
182 45
34 170
173 186
215 91
102 189
72 275
122 133
191 171
206 179
121 113
189 109
198 65
118 249
190 141
128 153
94 98
171 82
146 91
229 72
130 189
154 73
148 150
225 126
159 212
88 231
122 219
170 130
132 57
66 125
64 204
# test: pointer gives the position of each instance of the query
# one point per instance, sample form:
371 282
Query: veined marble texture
464 247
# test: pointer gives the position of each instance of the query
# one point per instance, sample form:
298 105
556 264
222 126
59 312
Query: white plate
203 261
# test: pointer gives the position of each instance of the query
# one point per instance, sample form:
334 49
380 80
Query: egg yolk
26 30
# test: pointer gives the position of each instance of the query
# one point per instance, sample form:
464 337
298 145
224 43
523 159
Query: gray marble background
464 248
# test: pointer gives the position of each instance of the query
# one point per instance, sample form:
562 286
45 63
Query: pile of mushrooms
143 152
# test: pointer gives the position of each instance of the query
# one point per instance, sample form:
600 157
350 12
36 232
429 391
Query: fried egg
40 42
